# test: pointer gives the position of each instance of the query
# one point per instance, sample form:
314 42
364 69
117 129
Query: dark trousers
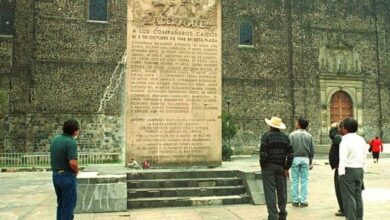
375 155
351 191
65 187
337 189
274 182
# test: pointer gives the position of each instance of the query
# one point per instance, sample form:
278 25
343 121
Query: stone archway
339 99
341 106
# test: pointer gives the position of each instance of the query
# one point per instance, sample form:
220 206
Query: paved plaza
30 195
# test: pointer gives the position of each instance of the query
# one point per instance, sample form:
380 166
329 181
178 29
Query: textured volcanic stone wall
64 66
58 65
279 75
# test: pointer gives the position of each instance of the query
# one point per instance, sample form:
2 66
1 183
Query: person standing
352 161
376 147
275 161
63 161
335 136
303 146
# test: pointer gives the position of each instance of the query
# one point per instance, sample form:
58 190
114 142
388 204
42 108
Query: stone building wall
5 54
65 66
280 74
253 76
76 56
5 72
383 22
58 65
32 132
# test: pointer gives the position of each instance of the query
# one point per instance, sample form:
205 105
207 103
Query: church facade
323 60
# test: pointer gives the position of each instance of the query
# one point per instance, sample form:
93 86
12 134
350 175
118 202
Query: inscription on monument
173 85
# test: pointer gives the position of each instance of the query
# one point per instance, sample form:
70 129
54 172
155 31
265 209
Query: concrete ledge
101 193
187 201
108 193
254 184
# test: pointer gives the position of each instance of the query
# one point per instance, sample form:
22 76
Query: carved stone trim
176 13
328 87
340 59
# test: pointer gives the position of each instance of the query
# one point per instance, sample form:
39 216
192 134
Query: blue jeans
299 178
65 187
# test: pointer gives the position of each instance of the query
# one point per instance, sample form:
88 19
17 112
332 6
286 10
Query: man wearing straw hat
276 156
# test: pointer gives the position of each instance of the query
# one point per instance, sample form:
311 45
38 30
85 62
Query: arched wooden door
340 106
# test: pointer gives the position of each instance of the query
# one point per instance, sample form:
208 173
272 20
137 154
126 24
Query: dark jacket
275 147
334 148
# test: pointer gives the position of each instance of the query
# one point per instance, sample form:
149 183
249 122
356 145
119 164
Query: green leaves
229 126
229 130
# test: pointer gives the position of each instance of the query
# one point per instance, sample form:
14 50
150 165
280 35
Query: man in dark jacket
335 136
63 161
276 155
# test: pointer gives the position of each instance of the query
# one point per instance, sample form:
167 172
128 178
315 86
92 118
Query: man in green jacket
63 161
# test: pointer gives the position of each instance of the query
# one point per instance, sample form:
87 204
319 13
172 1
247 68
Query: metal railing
43 159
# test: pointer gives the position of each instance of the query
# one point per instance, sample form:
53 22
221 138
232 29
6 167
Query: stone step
184 182
169 174
187 201
186 191
171 188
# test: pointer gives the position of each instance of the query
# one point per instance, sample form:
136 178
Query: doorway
340 106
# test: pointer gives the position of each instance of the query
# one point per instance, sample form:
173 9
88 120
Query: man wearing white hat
276 156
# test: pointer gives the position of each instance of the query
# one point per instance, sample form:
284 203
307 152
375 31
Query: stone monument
173 82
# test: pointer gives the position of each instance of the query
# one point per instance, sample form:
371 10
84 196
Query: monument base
107 193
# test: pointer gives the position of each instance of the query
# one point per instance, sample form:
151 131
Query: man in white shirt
352 161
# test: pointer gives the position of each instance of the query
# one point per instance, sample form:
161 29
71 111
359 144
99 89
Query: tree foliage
229 130
229 126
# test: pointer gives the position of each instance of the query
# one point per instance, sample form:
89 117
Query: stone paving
30 195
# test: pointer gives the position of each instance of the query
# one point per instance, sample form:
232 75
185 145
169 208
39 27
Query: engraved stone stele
173 82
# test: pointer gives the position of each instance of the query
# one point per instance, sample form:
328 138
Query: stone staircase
149 189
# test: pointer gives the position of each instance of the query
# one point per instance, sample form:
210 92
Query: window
246 33
6 18
98 10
